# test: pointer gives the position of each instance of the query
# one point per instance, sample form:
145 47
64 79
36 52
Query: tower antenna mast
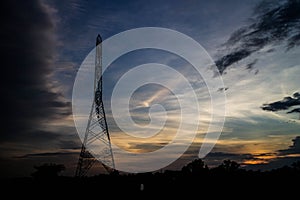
97 130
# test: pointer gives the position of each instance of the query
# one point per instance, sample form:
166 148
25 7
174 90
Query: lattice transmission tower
97 130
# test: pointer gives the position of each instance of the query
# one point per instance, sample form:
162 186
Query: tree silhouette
229 166
47 170
197 166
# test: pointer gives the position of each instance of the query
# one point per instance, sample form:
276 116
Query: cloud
28 50
277 159
293 149
260 161
35 113
214 159
47 154
70 144
146 147
273 23
284 104
296 110
223 89
251 65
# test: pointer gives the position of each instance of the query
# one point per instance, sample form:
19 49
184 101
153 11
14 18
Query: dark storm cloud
28 51
293 149
287 156
273 23
284 157
284 104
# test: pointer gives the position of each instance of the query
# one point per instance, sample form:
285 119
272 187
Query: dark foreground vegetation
194 178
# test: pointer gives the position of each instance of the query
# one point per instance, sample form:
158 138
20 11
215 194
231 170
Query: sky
254 44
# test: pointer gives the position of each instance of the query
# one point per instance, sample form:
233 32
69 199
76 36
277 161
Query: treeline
194 177
195 168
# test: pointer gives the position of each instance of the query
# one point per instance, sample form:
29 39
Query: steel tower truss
97 129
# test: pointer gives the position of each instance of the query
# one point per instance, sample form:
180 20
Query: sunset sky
255 45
